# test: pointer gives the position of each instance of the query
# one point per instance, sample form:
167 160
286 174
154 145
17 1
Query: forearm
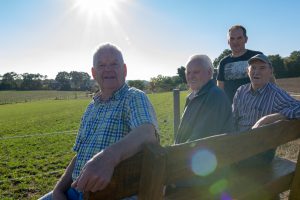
268 119
66 179
131 143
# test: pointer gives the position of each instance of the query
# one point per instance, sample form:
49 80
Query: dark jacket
208 113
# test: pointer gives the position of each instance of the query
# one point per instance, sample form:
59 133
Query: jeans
72 194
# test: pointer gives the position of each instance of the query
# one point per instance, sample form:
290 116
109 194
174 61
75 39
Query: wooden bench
219 177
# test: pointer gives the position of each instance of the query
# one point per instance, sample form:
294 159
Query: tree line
283 68
63 81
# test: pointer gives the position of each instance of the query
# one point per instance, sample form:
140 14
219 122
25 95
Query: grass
36 140
36 137
8 97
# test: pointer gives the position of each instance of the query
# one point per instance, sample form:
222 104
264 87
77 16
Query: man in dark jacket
207 110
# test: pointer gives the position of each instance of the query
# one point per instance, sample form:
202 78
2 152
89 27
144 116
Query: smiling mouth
109 77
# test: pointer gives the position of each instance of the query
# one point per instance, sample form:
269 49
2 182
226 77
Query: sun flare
96 7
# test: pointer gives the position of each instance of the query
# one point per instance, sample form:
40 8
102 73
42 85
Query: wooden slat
230 149
124 183
244 183
153 173
166 165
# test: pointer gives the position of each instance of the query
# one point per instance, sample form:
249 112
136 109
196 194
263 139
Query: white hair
109 47
203 60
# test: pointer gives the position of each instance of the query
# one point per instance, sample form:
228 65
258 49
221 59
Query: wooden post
176 108
153 173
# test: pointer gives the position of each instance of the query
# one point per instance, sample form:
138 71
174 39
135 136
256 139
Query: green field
36 141
8 97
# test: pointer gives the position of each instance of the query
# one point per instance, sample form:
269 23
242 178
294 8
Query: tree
80 80
31 82
278 66
63 80
181 74
225 53
9 81
137 84
164 83
85 81
293 64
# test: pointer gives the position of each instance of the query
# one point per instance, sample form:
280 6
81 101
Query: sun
98 8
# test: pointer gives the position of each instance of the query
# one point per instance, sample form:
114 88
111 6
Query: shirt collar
116 95
259 90
203 90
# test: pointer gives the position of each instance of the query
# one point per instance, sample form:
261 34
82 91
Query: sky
155 36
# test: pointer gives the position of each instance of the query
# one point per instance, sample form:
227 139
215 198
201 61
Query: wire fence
37 134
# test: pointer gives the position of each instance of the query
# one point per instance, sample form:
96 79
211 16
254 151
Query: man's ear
248 71
246 40
93 72
125 70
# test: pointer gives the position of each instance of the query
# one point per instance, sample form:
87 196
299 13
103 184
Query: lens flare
203 162
225 196
218 187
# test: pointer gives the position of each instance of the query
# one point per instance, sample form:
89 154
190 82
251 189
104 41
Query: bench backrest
148 172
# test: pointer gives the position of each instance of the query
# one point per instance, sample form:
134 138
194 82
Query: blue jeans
72 194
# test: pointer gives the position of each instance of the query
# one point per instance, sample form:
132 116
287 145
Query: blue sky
156 36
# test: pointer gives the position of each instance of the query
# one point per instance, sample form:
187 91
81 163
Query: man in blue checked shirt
114 127
262 102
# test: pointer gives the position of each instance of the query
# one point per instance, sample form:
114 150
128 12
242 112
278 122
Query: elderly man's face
197 75
109 71
260 73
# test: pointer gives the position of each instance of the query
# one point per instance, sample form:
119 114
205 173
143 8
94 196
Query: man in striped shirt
262 102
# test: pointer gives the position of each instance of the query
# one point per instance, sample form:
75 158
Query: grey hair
108 47
203 60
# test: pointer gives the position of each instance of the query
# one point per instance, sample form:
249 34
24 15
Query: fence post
176 109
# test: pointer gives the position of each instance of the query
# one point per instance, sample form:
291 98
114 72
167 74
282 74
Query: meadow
36 140
7 97
36 137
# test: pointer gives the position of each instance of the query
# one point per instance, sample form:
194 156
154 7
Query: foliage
225 53
292 64
278 66
63 81
181 74
139 84
164 83
31 82
9 81
80 80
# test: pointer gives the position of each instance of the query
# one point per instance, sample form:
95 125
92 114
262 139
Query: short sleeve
141 111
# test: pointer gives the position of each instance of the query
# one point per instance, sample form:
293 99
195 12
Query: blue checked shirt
249 106
105 123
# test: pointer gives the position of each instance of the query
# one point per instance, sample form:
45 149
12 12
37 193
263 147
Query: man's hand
97 173
268 119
